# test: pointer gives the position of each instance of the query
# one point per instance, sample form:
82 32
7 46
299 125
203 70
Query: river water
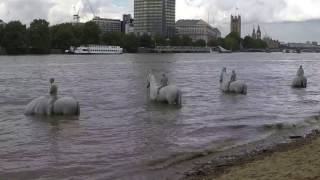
122 135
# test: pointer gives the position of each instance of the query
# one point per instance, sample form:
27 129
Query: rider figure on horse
224 70
233 78
53 96
163 83
300 71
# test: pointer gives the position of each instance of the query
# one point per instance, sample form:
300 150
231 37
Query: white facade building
197 29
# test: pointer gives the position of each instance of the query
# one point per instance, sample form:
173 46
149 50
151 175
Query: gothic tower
254 35
258 32
236 24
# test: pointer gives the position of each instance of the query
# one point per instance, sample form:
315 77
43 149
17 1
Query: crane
90 6
76 16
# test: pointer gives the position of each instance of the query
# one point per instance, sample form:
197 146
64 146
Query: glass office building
155 17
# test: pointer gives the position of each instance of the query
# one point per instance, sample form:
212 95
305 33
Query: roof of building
191 22
104 19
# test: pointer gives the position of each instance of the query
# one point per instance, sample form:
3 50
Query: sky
286 20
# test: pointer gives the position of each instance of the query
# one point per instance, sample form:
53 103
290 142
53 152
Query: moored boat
95 49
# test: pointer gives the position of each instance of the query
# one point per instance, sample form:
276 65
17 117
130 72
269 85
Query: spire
254 35
258 32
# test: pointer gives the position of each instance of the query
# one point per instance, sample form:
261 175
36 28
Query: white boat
95 49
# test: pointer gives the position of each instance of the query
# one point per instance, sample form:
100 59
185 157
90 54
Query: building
197 29
235 25
258 33
129 28
108 25
254 35
127 24
154 17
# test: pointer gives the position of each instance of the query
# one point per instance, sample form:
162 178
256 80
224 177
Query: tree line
233 42
40 38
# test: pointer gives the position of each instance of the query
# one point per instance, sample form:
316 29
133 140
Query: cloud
58 11
220 11
24 10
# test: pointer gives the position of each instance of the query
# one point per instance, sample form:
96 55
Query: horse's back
169 93
66 106
238 87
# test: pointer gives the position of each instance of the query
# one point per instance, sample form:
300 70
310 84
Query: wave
312 121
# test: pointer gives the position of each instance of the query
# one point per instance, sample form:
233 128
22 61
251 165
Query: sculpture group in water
300 81
230 84
52 104
163 92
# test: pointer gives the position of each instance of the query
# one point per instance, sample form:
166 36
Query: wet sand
298 160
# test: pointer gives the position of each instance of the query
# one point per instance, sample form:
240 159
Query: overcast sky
287 20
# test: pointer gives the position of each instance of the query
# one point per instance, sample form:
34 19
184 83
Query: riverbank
299 159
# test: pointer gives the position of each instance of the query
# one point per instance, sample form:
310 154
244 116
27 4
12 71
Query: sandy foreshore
298 160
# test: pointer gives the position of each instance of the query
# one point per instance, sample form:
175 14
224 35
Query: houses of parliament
235 26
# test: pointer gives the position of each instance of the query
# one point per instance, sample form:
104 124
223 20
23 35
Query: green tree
131 43
146 41
186 41
77 31
39 36
15 41
200 43
160 40
91 33
175 41
62 36
232 41
1 34
249 42
215 42
260 44
113 38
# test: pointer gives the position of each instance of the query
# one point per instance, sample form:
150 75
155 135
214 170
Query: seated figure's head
233 71
224 69
300 66
51 80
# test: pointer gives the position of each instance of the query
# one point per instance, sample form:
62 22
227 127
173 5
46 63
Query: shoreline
232 166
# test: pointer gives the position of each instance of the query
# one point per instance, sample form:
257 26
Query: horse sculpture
300 81
169 94
52 105
65 106
237 87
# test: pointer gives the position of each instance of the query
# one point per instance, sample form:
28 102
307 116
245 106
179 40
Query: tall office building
155 17
127 24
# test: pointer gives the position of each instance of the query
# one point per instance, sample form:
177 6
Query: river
120 134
